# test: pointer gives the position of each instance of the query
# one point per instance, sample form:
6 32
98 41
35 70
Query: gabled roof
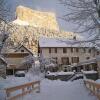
61 42
24 48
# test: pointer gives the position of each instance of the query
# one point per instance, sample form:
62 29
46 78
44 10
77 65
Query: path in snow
59 90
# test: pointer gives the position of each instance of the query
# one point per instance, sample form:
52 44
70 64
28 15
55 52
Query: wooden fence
93 87
13 93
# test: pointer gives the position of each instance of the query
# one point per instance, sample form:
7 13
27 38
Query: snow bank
59 73
15 81
65 73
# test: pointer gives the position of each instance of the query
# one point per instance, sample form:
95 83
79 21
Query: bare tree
47 63
86 14
4 19
4 14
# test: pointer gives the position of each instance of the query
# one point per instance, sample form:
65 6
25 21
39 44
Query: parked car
20 74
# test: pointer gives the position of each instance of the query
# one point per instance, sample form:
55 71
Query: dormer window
22 50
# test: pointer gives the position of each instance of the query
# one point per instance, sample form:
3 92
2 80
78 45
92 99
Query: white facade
66 53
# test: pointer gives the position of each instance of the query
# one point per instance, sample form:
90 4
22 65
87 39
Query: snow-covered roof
50 65
59 73
61 42
20 46
90 72
89 61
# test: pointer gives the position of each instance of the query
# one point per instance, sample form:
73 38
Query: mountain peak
36 18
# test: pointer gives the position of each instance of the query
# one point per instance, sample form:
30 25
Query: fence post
38 91
25 88
8 94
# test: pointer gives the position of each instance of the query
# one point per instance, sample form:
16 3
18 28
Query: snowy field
54 90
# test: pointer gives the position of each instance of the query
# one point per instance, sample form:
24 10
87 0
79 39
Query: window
75 59
22 50
97 52
55 58
87 57
65 60
89 51
49 50
55 50
74 37
71 49
64 50
77 50
84 50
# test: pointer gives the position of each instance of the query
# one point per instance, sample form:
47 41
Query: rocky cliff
35 18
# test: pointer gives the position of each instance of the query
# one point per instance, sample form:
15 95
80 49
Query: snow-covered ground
53 89
59 90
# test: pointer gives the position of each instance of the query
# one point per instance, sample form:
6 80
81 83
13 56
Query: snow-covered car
20 74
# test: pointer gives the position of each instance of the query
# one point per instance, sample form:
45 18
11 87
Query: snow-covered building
87 65
66 51
15 59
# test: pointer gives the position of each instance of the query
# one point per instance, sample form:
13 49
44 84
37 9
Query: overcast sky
44 5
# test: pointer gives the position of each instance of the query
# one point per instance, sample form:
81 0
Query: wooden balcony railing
15 92
93 87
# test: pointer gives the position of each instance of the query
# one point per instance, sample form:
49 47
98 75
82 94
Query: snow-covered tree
28 62
4 16
47 63
85 14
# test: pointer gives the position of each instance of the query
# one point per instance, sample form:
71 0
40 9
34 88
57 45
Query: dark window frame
64 50
87 58
74 59
77 49
55 50
49 50
72 50
89 51
65 60
98 52
84 49
22 50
